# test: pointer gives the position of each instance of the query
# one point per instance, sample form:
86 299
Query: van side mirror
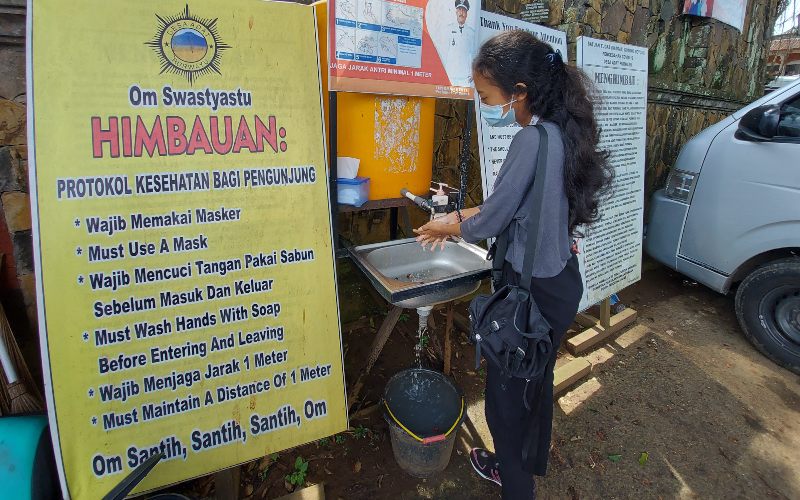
760 124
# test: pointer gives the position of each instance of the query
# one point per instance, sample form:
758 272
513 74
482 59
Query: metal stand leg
377 346
393 223
448 348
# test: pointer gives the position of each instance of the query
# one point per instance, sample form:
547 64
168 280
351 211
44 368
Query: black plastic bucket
423 409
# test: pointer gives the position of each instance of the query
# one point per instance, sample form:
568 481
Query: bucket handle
432 439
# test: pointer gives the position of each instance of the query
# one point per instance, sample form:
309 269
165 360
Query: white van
729 217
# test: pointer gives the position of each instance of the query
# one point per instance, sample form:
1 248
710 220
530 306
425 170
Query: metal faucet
436 209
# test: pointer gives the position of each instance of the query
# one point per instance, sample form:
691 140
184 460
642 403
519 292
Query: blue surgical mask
494 114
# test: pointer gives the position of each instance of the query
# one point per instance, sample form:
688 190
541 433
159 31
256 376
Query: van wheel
768 308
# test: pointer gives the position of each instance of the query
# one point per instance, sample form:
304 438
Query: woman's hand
451 218
436 233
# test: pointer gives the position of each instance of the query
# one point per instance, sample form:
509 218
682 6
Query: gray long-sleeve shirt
509 201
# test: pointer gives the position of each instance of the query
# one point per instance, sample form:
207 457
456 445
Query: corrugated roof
785 44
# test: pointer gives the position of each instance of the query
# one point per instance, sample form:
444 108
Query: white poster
493 142
611 252
728 11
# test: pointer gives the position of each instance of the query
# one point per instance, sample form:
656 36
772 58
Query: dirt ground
714 417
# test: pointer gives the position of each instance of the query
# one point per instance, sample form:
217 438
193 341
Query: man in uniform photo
460 47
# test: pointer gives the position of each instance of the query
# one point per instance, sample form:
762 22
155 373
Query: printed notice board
493 142
187 296
403 47
611 252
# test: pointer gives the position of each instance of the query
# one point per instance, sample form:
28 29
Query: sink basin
408 276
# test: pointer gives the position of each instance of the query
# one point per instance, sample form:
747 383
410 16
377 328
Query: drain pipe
423 313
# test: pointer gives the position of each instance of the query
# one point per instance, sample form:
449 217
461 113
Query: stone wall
17 281
701 70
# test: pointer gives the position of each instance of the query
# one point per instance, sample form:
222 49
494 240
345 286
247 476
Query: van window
789 126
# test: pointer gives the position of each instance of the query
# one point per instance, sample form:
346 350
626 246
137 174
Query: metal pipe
419 201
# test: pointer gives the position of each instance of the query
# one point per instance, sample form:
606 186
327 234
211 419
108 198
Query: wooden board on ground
586 320
314 492
596 334
567 375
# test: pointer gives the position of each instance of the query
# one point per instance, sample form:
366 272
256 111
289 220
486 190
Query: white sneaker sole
481 474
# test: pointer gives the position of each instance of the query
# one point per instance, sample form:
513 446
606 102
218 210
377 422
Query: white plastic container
353 191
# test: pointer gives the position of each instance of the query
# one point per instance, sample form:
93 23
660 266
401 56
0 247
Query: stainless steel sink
408 276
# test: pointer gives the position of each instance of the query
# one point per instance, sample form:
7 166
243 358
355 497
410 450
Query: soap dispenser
439 200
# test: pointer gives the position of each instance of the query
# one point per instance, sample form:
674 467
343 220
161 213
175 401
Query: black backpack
507 327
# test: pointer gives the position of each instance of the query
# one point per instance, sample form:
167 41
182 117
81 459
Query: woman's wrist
466 213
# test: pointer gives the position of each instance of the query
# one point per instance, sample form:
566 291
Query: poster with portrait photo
453 27
403 47
728 11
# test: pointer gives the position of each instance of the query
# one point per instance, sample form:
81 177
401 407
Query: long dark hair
557 93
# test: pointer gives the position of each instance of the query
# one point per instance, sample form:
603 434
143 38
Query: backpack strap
535 212
500 248
498 255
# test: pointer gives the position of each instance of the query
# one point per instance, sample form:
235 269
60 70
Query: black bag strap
535 212
536 202
498 253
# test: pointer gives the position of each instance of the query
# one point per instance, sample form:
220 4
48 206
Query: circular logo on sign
188 45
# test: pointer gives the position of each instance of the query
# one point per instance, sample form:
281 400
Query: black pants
516 431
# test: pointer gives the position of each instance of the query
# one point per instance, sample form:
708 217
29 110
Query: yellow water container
391 135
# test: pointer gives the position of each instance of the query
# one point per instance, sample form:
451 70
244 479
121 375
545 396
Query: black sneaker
485 464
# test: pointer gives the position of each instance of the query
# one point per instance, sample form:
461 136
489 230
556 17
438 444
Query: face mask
494 114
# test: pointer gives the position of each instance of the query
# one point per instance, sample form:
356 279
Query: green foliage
264 473
404 317
338 439
361 432
272 459
424 340
298 476
324 441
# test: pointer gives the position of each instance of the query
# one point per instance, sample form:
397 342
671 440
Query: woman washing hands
437 231
521 79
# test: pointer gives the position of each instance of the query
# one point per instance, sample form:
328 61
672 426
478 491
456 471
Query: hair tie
554 58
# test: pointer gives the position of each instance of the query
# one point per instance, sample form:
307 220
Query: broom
21 401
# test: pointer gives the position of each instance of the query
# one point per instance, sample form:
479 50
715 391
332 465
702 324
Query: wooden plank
567 375
605 313
383 335
596 334
586 320
632 336
575 398
226 483
375 351
377 205
313 492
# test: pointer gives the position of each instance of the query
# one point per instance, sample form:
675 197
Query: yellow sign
187 292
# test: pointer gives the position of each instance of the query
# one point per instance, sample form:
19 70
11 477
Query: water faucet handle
441 189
